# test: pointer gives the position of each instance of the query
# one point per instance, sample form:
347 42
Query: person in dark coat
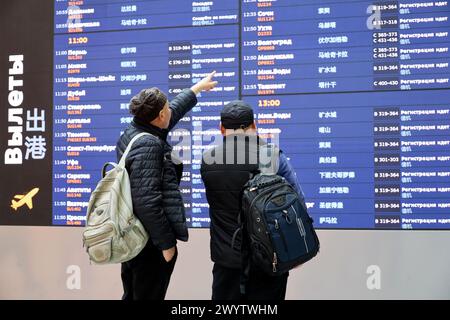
154 181
224 170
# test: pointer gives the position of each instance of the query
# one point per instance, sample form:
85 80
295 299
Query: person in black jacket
154 180
225 169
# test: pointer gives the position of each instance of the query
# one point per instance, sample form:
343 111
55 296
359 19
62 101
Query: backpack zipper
265 184
277 227
274 262
301 228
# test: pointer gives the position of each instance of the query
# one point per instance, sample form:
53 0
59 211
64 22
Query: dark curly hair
147 104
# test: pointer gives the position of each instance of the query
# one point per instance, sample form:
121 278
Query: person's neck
249 132
157 124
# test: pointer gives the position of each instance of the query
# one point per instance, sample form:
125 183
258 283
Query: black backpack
278 233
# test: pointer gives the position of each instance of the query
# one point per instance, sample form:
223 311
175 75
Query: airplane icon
24 199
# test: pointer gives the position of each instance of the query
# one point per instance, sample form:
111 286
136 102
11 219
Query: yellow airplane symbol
24 199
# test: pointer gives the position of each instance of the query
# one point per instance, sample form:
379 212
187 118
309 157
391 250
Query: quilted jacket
154 178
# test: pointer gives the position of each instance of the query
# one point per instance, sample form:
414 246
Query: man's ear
222 129
158 119
253 125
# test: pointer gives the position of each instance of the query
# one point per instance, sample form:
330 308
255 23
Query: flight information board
356 93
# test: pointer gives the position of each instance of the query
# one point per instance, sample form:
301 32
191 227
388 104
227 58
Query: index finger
212 74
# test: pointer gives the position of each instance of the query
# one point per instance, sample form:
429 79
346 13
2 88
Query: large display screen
356 93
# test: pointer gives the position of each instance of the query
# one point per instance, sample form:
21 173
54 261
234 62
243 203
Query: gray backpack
113 234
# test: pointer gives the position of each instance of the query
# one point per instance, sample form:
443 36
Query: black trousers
260 286
147 276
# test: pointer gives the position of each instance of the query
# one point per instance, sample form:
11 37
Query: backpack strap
245 267
106 165
269 159
130 144
233 239
245 257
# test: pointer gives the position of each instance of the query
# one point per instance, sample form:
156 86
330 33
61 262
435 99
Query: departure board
356 93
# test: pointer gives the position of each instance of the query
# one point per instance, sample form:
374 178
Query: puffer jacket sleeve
287 171
180 105
146 171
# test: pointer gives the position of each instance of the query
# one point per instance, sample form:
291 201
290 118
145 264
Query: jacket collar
244 135
147 127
